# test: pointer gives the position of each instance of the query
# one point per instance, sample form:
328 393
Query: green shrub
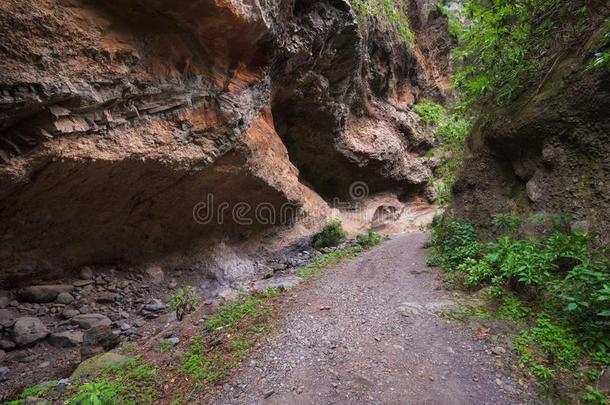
593 397
585 293
506 222
183 302
523 261
601 58
429 111
512 309
548 344
510 45
197 364
231 314
331 235
369 240
393 14
457 242
95 393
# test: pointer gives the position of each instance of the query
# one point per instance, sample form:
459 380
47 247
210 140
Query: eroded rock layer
118 118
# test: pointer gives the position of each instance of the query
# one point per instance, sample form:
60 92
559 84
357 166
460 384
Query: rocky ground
47 329
372 330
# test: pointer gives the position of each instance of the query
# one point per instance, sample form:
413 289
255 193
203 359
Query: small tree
183 302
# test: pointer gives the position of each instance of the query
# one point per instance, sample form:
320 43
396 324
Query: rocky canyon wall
118 117
546 153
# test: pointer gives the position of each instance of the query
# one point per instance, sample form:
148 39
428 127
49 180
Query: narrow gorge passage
370 331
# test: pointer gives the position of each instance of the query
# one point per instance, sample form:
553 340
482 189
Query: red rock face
118 117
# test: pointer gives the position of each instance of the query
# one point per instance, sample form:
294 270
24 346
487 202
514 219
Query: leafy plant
512 309
601 58
457 243
429 111
331 235
369 240
231 314
394 14
183 302
198 365
593 396
548 344
509 45
95 393
164 347
506 222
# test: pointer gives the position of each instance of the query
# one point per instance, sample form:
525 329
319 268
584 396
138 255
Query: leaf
572 306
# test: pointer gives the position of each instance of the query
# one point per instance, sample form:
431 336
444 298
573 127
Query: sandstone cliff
118 117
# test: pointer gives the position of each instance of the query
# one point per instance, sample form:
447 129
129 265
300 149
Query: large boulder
28 330
97 340
98 363
87 321
66 339
43 293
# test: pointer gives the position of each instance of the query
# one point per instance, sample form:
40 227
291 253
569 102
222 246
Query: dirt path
364 349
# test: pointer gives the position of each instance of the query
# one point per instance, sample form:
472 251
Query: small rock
98 339
31 400
268 393
172 284
64 298
18 356
325 308
580 226
216 342
86 273
155 306
28 330
280 282
173 340
155 274
498 350
7 318
87 321
6 344
125 326
45 364
66 339
82 283
534 190
411 308
105 298
69 313
4 373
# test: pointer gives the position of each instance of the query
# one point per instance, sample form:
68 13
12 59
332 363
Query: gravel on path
368 332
